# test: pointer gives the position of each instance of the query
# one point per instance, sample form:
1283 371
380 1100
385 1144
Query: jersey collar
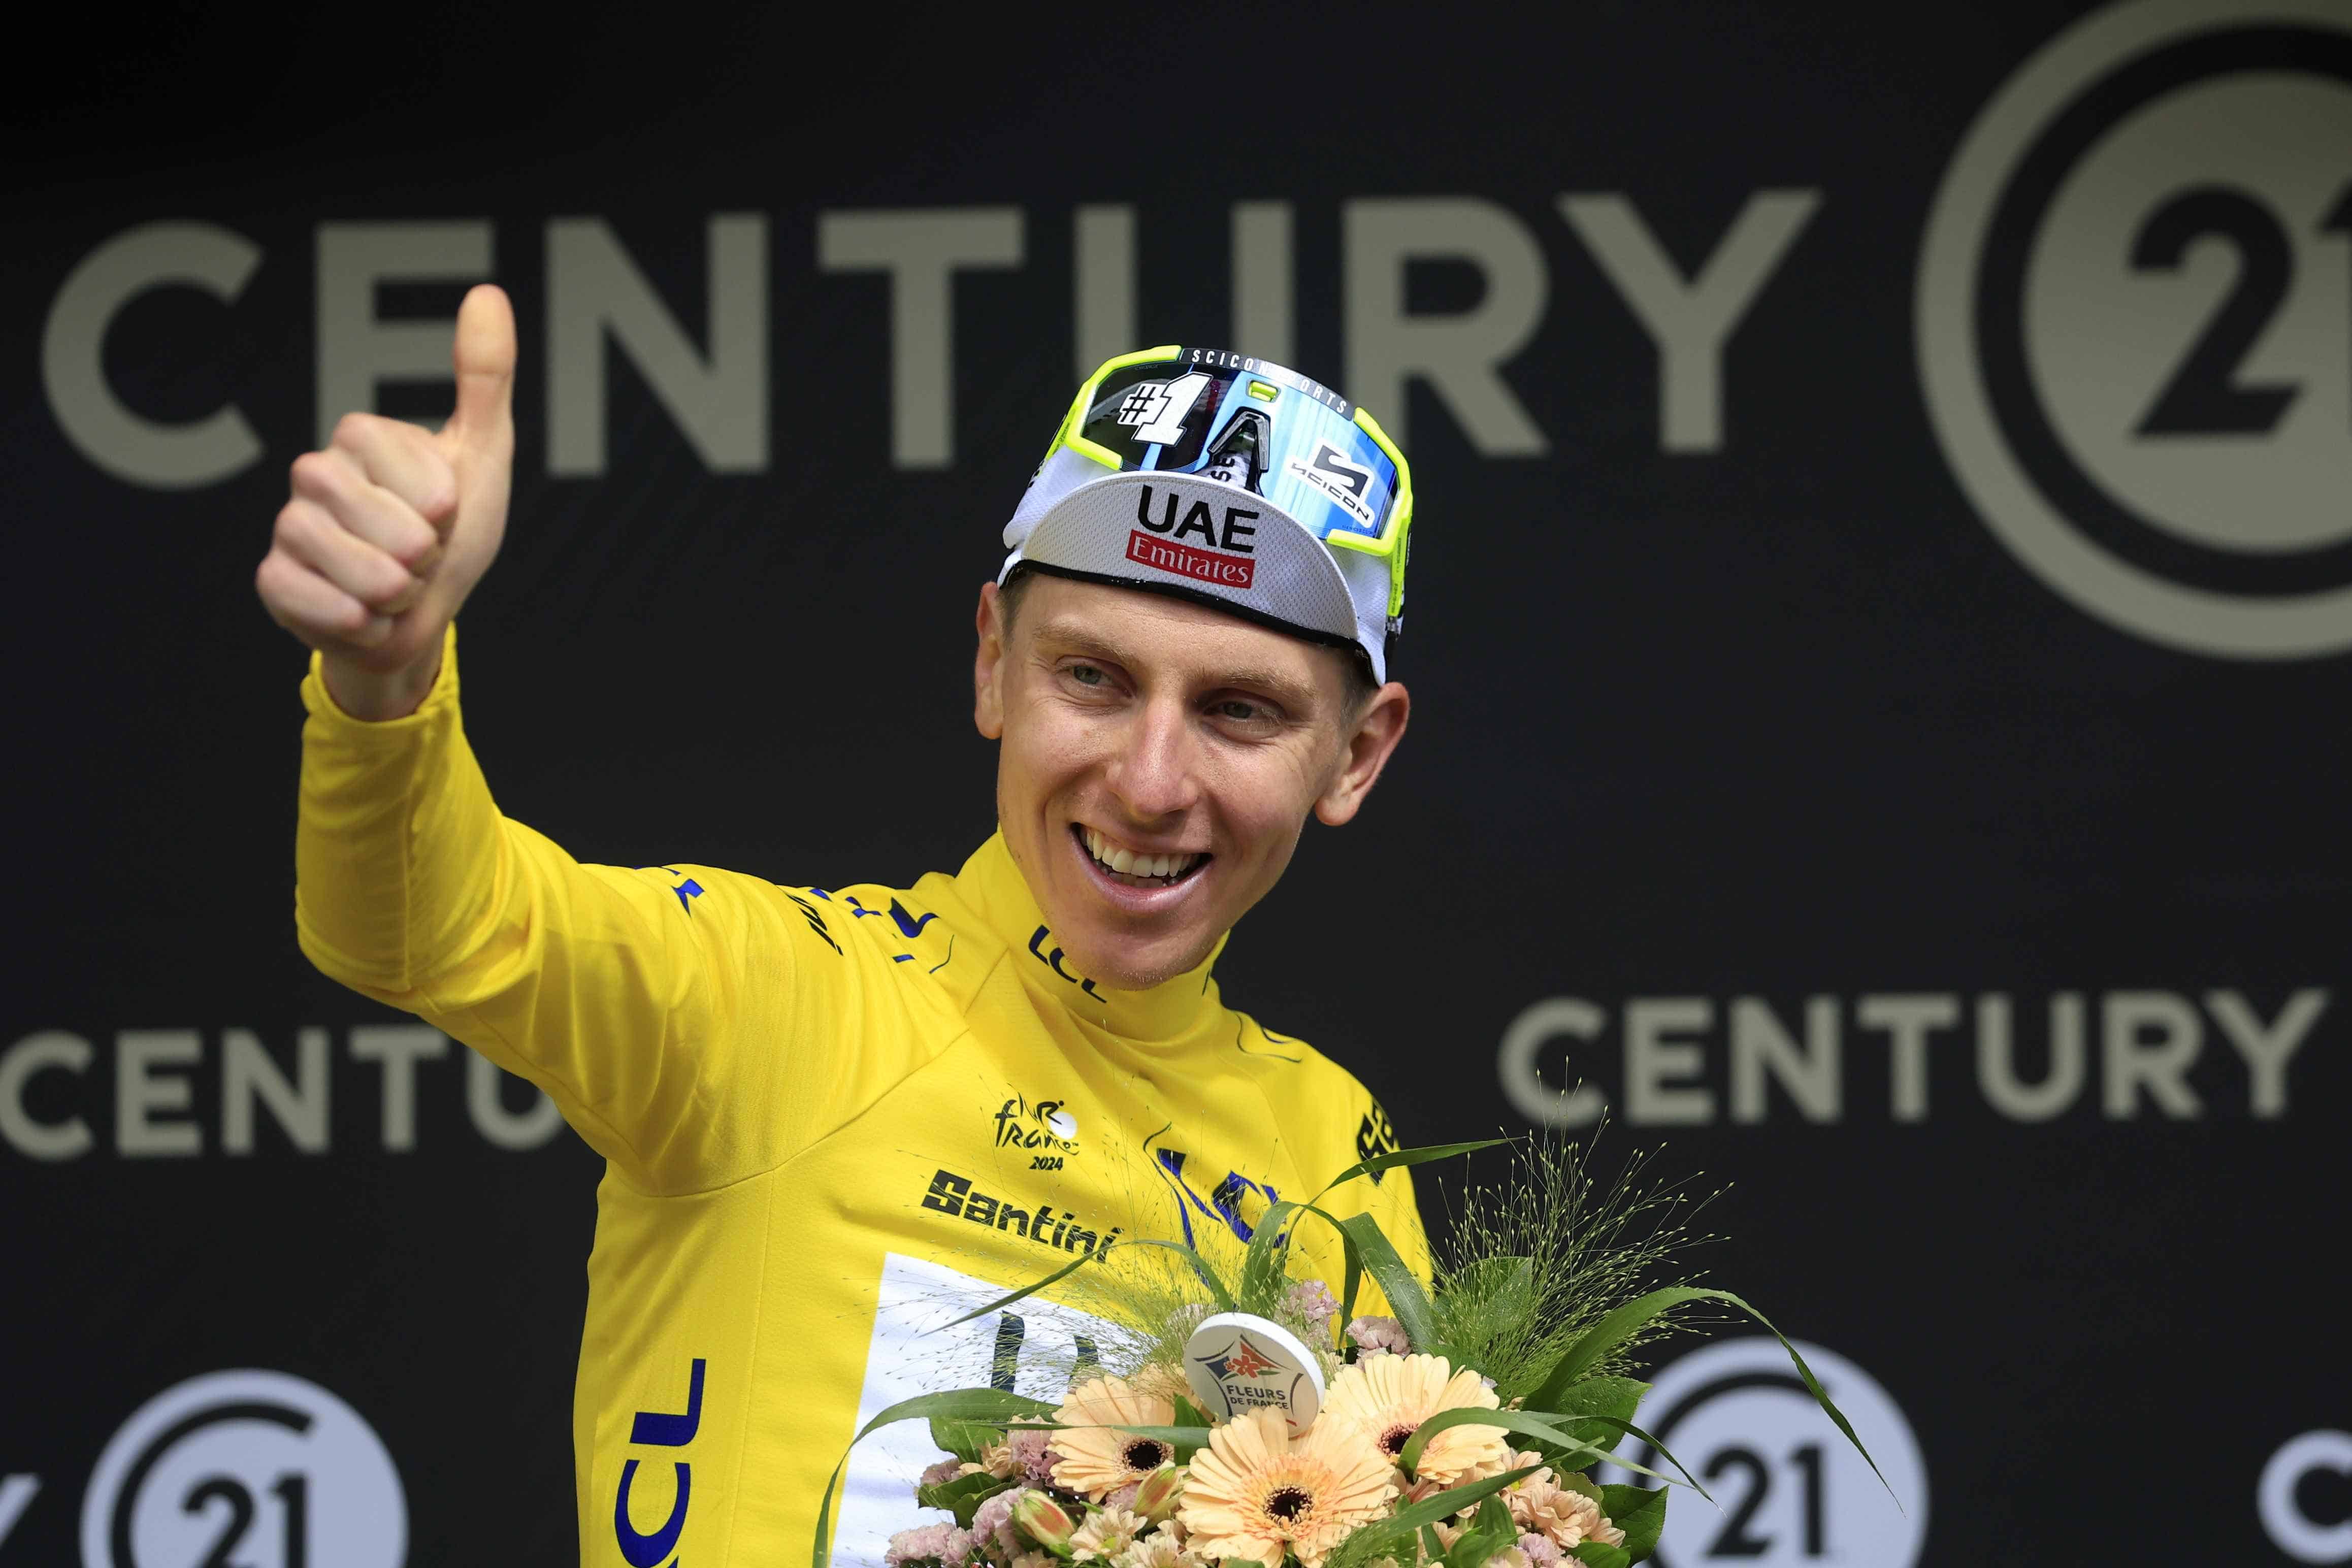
991 883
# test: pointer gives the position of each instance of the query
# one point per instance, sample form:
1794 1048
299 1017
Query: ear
988 665
1365 752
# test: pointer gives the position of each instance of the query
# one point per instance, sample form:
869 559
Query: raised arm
615 991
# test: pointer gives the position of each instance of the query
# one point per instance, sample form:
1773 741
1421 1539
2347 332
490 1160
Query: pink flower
991 1523
1378 1336
1541 1551
941 1473
1123 1499
941 1544
1030 1450
1312 1299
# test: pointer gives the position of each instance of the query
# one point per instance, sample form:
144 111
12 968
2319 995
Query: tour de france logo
257 1468
1790 1489
2134 321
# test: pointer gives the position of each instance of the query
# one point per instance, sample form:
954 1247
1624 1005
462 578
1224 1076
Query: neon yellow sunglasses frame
1390 544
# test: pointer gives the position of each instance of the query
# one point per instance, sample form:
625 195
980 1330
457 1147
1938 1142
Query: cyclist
832 1117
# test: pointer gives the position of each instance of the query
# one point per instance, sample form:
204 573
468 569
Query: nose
1153 772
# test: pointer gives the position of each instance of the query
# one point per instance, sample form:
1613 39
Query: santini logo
1171 554
952 1195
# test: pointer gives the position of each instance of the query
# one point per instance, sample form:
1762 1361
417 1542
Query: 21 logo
259 1468
1790 1490
2132 329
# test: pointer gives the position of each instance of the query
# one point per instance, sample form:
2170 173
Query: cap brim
1200 537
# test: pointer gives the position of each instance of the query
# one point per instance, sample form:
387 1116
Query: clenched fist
389 527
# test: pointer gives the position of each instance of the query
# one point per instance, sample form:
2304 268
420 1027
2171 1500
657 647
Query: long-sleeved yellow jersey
831 1120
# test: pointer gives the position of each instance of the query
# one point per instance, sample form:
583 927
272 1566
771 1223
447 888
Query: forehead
1170 636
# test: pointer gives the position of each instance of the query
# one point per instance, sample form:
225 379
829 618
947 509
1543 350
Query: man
832 1118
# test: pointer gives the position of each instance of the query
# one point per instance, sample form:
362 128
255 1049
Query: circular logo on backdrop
2305 1532
1789 1488
257 1468
2134 321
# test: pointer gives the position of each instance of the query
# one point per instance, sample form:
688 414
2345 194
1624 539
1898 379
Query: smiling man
834 1117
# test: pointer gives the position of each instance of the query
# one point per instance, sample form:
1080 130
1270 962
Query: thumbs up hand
390 527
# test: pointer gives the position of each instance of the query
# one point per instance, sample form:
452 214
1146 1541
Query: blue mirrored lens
1248 423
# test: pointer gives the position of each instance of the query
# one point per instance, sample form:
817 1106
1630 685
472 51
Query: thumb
484 355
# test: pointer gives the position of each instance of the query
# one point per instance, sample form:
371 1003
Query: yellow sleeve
622 993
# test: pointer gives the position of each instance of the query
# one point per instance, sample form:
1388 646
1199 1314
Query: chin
1135 963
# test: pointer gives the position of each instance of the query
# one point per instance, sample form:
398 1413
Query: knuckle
389 586
315 473
353 429
298 523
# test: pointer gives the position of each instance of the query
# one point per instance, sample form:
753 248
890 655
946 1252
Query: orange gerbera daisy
1390 1395
1097 1459
1256 1491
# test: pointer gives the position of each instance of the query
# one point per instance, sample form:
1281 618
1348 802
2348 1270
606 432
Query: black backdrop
1744 701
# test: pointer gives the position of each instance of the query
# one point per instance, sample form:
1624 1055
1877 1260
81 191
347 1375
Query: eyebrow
1298 696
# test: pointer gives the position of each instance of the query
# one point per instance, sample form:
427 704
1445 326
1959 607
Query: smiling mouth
1128 868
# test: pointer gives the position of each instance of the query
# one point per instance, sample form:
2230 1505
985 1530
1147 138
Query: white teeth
1127 862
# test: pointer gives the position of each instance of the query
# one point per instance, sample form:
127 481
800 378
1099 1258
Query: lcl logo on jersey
669 1432
2134 328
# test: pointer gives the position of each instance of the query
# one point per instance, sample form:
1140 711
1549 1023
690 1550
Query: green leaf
1630 1319
964 1439
1003 1301
1216 1287
1640 1513
1615 1398
1601 1556
993 1404
1421 1156
1261 1266
1488 1534
1185 1441
1407 1299
1630 1430
961 1496
1577 1481
1200 1266
1439 1506
1532 1423
1188 1414
1384 1538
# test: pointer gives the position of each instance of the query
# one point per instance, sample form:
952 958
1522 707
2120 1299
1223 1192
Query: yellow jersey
833 1119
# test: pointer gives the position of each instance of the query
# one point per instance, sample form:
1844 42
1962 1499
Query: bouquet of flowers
1261 1422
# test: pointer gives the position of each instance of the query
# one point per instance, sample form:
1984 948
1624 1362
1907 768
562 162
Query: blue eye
1086 675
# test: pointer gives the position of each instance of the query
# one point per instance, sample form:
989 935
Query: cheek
1044 747
1265 804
